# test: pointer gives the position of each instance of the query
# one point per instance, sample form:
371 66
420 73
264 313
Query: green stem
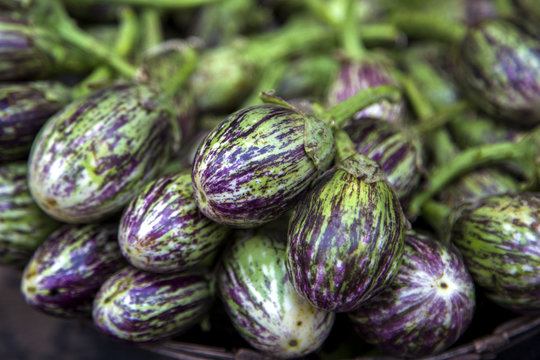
340 113
420 105
345 147
440 118
151 23
437 216
466 161
441 147
429 27
318 8
127 33
374 34
72 34
351 41
298 37
127 37
269 81
181 76
162 4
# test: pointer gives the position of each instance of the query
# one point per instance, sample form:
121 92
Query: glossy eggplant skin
499 69
499 237
89 160
162 229
345 241
24 108
255 165
428 305
261 302
23 225
138 306
67 270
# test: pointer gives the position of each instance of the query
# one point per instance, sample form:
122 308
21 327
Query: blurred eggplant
498 66
23 225
24 108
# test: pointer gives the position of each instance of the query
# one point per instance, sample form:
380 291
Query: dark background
26 334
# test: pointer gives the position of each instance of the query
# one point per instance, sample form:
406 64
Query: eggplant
162 230
68 268
89 160
355 76
498 66
345 237
427 307
397 151
261 301
499 237
137 306
24 108
23 225
255 164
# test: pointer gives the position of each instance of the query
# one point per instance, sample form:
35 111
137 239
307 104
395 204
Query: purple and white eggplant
427 306
345 237
90 159
255 165
139 306
162 230
67 270
262 303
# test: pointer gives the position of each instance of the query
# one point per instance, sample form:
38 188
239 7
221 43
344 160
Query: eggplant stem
466 161
337 115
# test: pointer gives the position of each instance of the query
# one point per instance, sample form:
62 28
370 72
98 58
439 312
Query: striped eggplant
23 225
345 237
67 270
395 150
499 237
90 159
426 308
24 108
22 53
261 302
162 230
477 184
138 306
499 68
257 163
360 75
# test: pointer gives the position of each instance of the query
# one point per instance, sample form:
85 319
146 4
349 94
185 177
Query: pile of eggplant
303 167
